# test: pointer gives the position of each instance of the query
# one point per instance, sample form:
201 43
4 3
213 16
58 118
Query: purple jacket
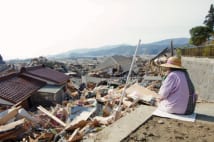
174 93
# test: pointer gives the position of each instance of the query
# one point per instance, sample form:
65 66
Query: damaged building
54 89
33 86
15 88
114 66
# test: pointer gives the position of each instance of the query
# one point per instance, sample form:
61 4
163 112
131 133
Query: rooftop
45 73
15 88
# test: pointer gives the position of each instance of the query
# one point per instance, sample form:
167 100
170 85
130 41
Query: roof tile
16 88
47 74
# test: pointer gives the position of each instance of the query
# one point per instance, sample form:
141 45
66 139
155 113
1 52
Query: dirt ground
159 129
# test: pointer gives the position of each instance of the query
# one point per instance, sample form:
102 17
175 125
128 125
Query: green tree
209 19
199 35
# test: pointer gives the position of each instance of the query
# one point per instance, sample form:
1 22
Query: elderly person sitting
177 93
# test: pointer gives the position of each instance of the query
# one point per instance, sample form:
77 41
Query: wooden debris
44 137
11 125
71 124
8 114
83 116
80 124
105 120
142 91
107 109
13 134
138 92
84 128
127 103
51 116
71 138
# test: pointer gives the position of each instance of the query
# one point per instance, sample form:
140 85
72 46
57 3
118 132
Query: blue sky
33 28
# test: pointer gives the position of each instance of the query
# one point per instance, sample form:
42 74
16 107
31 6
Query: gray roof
95 79
107 63
117 60
123 61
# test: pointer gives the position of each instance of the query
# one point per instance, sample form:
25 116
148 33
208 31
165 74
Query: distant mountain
124 49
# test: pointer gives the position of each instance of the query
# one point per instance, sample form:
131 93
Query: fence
200 51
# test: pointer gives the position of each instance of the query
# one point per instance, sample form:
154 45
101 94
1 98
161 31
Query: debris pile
86 108
73 120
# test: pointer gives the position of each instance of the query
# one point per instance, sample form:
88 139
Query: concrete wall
201 71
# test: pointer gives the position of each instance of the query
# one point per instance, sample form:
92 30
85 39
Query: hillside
124 49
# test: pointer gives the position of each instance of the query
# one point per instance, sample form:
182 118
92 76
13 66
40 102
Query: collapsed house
162 56
53 91
33 86
15 88
71 120
113 66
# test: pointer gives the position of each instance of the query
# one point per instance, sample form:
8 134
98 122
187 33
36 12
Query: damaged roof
116 60
107 63
15 87
123 61
45 74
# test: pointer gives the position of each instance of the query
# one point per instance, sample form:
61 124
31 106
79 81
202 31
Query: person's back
174 93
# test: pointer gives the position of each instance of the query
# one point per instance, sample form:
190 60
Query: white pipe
127 79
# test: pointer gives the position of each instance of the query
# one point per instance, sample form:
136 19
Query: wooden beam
11 135
73 135
11 125
52 116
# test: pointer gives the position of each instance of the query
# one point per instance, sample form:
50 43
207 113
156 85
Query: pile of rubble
78 119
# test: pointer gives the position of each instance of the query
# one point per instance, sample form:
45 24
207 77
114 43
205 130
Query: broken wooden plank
51 116
80 124
84 128
105 120
12 134
11 125
77 138
161 53
73 134
5 135
7 115
18 104
45 137
127 103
